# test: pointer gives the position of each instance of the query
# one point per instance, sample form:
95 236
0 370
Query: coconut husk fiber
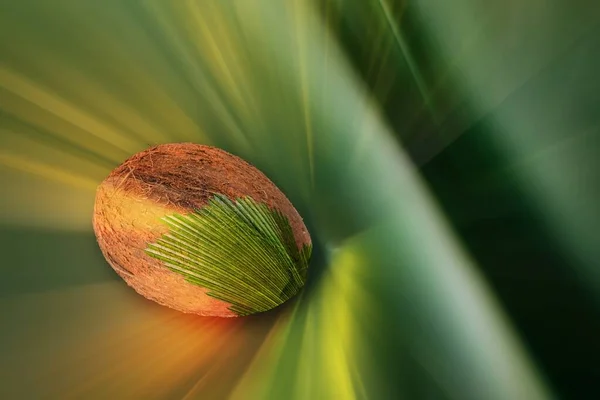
167 179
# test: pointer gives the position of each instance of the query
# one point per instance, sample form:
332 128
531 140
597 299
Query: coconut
201 231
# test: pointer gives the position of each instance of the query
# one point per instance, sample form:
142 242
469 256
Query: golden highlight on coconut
201 231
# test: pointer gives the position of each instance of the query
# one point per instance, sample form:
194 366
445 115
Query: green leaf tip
242 251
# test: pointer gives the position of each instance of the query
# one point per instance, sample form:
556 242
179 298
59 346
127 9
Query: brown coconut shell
167 179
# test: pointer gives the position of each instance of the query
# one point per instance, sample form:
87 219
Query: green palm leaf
242 251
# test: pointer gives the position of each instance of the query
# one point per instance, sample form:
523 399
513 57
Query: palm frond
242 251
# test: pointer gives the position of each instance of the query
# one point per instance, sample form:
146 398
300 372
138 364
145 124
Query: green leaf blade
242 251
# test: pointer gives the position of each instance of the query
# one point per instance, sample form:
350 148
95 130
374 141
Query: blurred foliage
443 154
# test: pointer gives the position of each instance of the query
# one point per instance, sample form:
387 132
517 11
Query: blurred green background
444 155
